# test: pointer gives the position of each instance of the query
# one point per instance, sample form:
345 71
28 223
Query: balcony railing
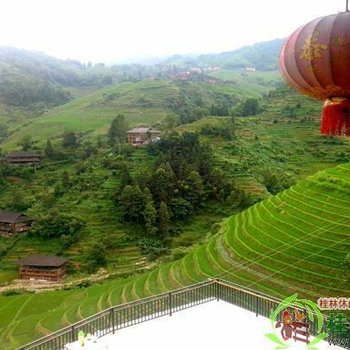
125 315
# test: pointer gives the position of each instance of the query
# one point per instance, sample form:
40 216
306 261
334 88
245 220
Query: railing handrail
166 296
247 290
115 307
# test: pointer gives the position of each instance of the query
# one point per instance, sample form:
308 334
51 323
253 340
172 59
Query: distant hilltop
260 56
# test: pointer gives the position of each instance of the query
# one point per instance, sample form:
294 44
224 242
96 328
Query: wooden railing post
216 288
170 304
72 334
113 320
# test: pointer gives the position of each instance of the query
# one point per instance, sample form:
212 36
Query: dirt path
41 285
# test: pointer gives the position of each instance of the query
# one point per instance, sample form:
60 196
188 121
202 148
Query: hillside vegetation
143 103
262 56
297 240
259 155
230 149
32 83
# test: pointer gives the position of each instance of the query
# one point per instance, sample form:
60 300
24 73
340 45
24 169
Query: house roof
41 260
13 218
144 131
23 155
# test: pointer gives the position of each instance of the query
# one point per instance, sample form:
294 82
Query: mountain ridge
262 56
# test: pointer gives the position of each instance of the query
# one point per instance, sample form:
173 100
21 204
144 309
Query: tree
250 107
18 202
116 132
180 208
125 177
65 179
193 189
164 219
171 121
150 214
199 112
163 183
220 109
96 257
289 111
221 186
277 181
49 151
133 205
69 139
56 224
26 143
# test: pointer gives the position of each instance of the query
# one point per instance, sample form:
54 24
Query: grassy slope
254 83
291 144
93 203
294 241
292 147
295 147
142 103
90 113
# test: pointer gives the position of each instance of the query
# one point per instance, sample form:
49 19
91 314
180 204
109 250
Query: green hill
32 83
30 78
142 103
262 56
263 158
295 241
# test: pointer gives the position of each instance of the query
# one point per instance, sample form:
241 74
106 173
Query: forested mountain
28 77
32 83
262 56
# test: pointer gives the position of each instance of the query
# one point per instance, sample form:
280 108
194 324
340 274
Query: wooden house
47 268
142 136
23 158
12 223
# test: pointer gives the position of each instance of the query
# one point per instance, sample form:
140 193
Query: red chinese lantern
315 60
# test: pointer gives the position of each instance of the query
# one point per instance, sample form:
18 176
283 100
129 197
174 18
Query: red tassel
336 117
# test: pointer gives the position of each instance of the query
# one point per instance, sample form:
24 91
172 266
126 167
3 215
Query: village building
196 70
182 76
142 136
12 223
47 268
23 158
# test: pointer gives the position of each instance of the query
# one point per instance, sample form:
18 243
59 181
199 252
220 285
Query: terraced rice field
293 242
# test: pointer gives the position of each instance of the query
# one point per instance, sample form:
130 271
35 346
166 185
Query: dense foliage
56 224
248 107
117 132
181 182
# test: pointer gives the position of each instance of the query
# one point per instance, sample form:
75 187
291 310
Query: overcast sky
113 30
